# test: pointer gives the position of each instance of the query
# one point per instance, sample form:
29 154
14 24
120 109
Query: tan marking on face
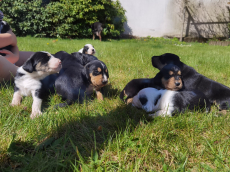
130 100
96 80
179 72
53 66
171 72
99 69
106 70
99 96
43 68
170 84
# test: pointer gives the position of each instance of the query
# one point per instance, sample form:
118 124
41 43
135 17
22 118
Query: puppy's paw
153 115
35 114
129 101
99 96
15 104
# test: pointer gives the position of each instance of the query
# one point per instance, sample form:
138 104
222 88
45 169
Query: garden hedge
63 18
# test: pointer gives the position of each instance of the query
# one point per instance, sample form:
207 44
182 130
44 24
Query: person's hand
11 57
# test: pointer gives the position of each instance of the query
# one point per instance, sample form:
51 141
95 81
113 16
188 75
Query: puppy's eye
96 72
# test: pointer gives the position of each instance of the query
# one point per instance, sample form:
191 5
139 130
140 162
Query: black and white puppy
77 82
88 49
5 27
167 102
216 92
29 76
168 78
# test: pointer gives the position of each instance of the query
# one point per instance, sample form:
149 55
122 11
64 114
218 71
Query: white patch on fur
16 99
164 105
36 107
105 78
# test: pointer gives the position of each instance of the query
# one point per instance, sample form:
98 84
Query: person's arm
8 38
11 56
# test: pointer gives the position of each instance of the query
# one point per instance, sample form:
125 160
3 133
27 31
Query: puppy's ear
86 72
157 79
85 49
28 65
167 58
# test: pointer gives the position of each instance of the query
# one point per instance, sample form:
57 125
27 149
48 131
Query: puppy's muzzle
104 82
55 64
177 84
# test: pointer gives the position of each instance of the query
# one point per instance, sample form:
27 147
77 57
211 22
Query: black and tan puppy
168 78
29 76
97 28
77 82
214 91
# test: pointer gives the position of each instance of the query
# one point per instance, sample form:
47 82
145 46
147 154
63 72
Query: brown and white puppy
88 49
29 76
76 81
168 78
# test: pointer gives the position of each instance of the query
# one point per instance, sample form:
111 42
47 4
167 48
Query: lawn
112 136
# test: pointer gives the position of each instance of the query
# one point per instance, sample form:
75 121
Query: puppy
5 27
214 91
88 49
167 102
168 78
97 28
29 76
77 82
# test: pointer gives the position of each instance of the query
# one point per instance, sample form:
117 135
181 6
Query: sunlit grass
109 135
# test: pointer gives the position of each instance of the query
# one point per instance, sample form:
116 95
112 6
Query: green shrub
63 18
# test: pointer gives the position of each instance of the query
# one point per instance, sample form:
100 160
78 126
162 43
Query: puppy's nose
177 84
93 50
104 82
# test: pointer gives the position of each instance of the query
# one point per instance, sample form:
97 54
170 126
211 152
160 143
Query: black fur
84 58
5 28
135 85
214 91
143 100
85 49
190 100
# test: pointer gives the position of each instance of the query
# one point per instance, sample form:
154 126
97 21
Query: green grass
109 135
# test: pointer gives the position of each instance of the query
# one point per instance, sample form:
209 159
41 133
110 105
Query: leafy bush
63 18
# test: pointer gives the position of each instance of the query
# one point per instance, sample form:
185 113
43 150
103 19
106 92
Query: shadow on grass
80 136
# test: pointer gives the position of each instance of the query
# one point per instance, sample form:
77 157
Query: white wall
159 18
